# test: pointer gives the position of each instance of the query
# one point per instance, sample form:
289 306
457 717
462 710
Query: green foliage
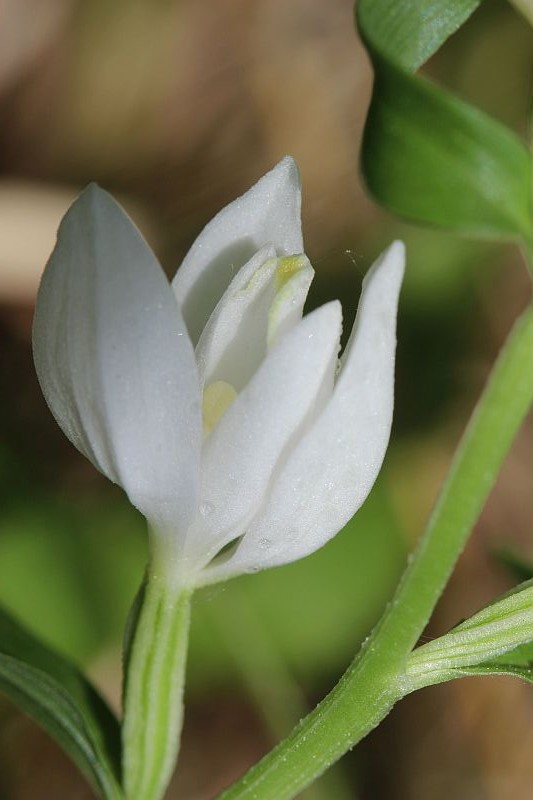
409 33
495 668
427 155
498 639
55 694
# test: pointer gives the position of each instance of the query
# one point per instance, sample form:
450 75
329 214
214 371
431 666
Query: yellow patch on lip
288 267
218 397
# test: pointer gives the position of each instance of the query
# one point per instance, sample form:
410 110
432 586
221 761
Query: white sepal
115 362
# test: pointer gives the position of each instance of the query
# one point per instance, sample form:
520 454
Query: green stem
153 699
375 680
497 418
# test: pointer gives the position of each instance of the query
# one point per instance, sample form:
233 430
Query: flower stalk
154 681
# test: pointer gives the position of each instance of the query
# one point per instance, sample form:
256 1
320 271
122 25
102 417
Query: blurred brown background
177 106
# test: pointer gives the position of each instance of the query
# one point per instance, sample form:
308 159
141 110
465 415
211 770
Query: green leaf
507 619
496 640
427 155
524 673
408 33
517 663
55 694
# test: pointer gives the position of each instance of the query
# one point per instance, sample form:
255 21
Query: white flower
219 410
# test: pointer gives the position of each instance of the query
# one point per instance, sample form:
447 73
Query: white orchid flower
220 411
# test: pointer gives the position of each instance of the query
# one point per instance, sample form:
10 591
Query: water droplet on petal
265 543
206 509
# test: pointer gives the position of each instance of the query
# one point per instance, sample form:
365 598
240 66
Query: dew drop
206 509
265 543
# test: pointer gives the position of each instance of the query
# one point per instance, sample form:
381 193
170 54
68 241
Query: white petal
329 474
261 427
114 360
269 213
233 343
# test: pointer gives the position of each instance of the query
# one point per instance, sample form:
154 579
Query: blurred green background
176 107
